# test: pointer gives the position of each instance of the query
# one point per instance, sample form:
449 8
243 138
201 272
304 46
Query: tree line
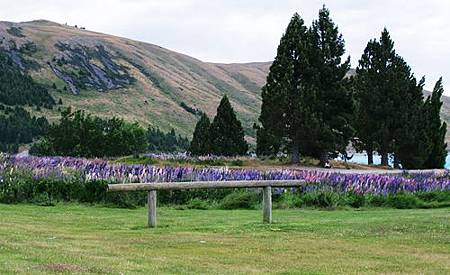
83 135
80 134
159 141
310 107
17 127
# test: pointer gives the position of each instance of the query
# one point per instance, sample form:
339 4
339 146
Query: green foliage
17 88
267 144
391 116
198 204
306 104
42 147
223 137
372 112
435 128
201 139
159 141
226 132
330 200
324 199
83 135
332 104
411 145
404 201
236 162
240 200
19 186
282 114
18 127
356 200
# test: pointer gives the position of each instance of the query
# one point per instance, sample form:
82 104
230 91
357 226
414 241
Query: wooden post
267 204
151 200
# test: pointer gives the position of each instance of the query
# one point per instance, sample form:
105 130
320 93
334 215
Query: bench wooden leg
151 200
267 204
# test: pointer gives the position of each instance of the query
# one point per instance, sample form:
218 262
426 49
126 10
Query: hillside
109 75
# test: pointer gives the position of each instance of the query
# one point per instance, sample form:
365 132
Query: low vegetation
48 181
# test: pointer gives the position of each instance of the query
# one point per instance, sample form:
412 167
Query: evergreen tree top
227 134
327 37
225 109
386 45
438 90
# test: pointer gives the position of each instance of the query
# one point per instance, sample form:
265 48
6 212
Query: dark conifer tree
374 96
267 145
333 104
227 134
365 94
410 142
282 113
201 144
436 129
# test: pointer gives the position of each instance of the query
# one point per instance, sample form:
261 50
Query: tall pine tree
366 102
374 96
267 144
410 142
282 112
390 115
333 104
201 140
306 106
227 134
435 128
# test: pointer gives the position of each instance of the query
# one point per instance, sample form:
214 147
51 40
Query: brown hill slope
109 75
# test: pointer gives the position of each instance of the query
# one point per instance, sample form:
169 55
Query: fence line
152 188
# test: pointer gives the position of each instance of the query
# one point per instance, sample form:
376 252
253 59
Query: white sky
246 31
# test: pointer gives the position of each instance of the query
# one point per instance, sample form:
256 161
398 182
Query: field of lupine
93 239
360 183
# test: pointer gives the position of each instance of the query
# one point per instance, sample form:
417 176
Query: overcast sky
247 31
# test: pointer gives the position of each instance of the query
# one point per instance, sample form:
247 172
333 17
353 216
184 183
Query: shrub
376 200
434 196
404 201
289 200
237 162
324 199
240 200
125 200
198 204
21 187
355 200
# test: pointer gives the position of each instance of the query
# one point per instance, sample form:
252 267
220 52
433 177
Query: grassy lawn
88 239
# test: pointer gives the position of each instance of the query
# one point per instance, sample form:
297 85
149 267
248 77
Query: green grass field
89 239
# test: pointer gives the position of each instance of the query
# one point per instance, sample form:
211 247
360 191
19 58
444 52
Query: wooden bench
152 188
